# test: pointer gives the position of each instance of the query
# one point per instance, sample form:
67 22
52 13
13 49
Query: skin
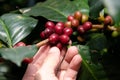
48 64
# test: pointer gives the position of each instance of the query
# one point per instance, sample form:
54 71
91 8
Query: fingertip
54 50
73 48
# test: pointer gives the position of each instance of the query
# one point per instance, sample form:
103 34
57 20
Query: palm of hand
50 64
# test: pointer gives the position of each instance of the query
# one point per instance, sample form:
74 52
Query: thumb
51 61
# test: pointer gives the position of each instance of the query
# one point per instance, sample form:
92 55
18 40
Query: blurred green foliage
10 5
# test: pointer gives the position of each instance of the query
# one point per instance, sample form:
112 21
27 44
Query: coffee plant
91 25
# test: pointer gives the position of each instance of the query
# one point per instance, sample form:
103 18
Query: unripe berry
115 33
64 39
70 18
78 15
48 32
68 31
68 24
53 38
84 18
49 24
108 20
80 29
75 22
87 26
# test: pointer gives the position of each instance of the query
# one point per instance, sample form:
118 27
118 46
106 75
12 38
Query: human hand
50 64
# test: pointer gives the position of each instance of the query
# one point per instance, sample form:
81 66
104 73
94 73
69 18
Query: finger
51 61
73 68
71 52
40 55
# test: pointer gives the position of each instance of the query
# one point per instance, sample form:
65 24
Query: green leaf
113 8
56 10
82 6
97 42
16 55
15 27
95 7
91 69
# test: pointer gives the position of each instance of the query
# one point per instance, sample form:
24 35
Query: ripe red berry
59 45
87 26
75 22
53 38
19 44
70 18
59 28
27 60
108 20
78 15
64 39
68 31
49 24
48 32
60 24
42 35
80 29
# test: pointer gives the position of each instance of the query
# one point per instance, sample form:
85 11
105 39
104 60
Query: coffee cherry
78 15
59 28
48 32
27 60
70 18
80 29
60 24
87 26
68 24
53 38
75 22
115 34
68 31
64 39
19 44
49 24
108 20
59 45
42 35
84 18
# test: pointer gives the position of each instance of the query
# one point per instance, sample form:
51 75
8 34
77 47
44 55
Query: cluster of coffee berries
78 22
57 34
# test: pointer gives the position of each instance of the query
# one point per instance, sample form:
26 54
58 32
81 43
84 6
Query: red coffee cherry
19 44
49 24
108 20
59 45
42 35
48 32
80 29
68 31
70 18
59 28
53 38
64 39
87 26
